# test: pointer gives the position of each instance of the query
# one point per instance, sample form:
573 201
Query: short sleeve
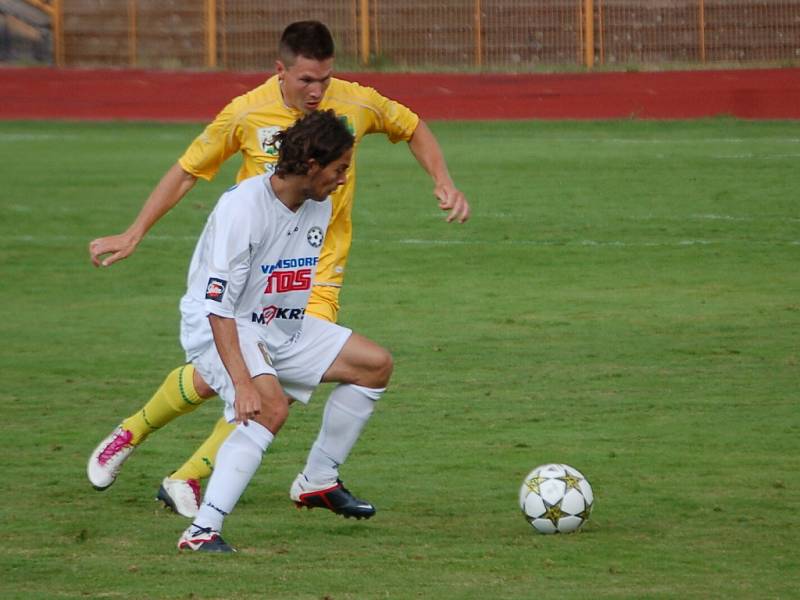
218 142
396 120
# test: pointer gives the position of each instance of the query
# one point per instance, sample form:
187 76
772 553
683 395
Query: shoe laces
121 441
197 531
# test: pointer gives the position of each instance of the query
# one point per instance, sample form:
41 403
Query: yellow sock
175 397
200 465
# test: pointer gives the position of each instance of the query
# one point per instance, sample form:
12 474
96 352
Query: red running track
106 94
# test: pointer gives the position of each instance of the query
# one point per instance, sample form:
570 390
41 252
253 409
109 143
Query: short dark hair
310 39
320 135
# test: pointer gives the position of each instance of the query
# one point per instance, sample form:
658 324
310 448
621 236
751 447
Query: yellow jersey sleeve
397 121
372 112
218 142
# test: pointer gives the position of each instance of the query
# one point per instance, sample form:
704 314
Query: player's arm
174 185
398 122
202 158
233 230
426 150
226 339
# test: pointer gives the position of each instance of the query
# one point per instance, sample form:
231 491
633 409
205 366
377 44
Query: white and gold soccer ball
556 498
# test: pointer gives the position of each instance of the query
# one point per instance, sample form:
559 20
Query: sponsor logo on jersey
215 289
280 282
315 236
290 263
268 313
265 137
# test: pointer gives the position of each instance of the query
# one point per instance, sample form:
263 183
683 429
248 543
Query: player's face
304 82
323 181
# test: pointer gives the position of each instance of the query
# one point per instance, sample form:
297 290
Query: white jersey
254 262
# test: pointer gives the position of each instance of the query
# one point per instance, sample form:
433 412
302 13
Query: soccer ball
555 498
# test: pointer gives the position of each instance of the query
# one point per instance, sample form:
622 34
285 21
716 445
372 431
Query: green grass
626 299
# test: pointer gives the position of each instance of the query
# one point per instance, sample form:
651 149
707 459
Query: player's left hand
450 198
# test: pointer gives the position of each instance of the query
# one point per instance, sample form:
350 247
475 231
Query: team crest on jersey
315 236
265 136
215 289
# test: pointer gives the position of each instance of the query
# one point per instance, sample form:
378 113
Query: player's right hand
452 199
247 403
117 246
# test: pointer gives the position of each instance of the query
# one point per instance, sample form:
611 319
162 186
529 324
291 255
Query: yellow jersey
247 125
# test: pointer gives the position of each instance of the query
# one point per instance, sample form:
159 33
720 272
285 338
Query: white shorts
299 364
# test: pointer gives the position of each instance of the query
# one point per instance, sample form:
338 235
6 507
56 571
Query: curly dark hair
311 39
320 135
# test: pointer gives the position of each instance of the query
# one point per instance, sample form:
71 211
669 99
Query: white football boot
181 495
107 459
203 539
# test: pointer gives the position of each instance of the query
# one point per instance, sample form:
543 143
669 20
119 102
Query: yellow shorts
324 302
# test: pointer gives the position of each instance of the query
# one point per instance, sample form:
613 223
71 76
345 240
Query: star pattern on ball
570 481
534 482
553 514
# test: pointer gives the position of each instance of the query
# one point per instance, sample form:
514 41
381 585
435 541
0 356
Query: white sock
237 461
346 412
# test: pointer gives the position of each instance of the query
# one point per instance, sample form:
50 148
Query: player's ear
280 69
313 166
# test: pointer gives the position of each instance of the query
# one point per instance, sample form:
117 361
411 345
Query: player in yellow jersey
303 83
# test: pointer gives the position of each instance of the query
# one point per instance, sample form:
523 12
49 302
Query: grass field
625 299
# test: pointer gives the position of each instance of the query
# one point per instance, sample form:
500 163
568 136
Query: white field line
574 243
60 239
714 217
35 137
600 140
95 136
696 217
373 216
751 156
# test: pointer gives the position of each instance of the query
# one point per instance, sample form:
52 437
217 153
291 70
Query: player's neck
286 102
289 190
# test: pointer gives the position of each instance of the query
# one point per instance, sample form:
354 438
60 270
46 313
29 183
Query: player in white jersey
253 251
244 332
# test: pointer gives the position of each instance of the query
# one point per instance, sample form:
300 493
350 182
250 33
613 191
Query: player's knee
201 387
382 370
274 414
